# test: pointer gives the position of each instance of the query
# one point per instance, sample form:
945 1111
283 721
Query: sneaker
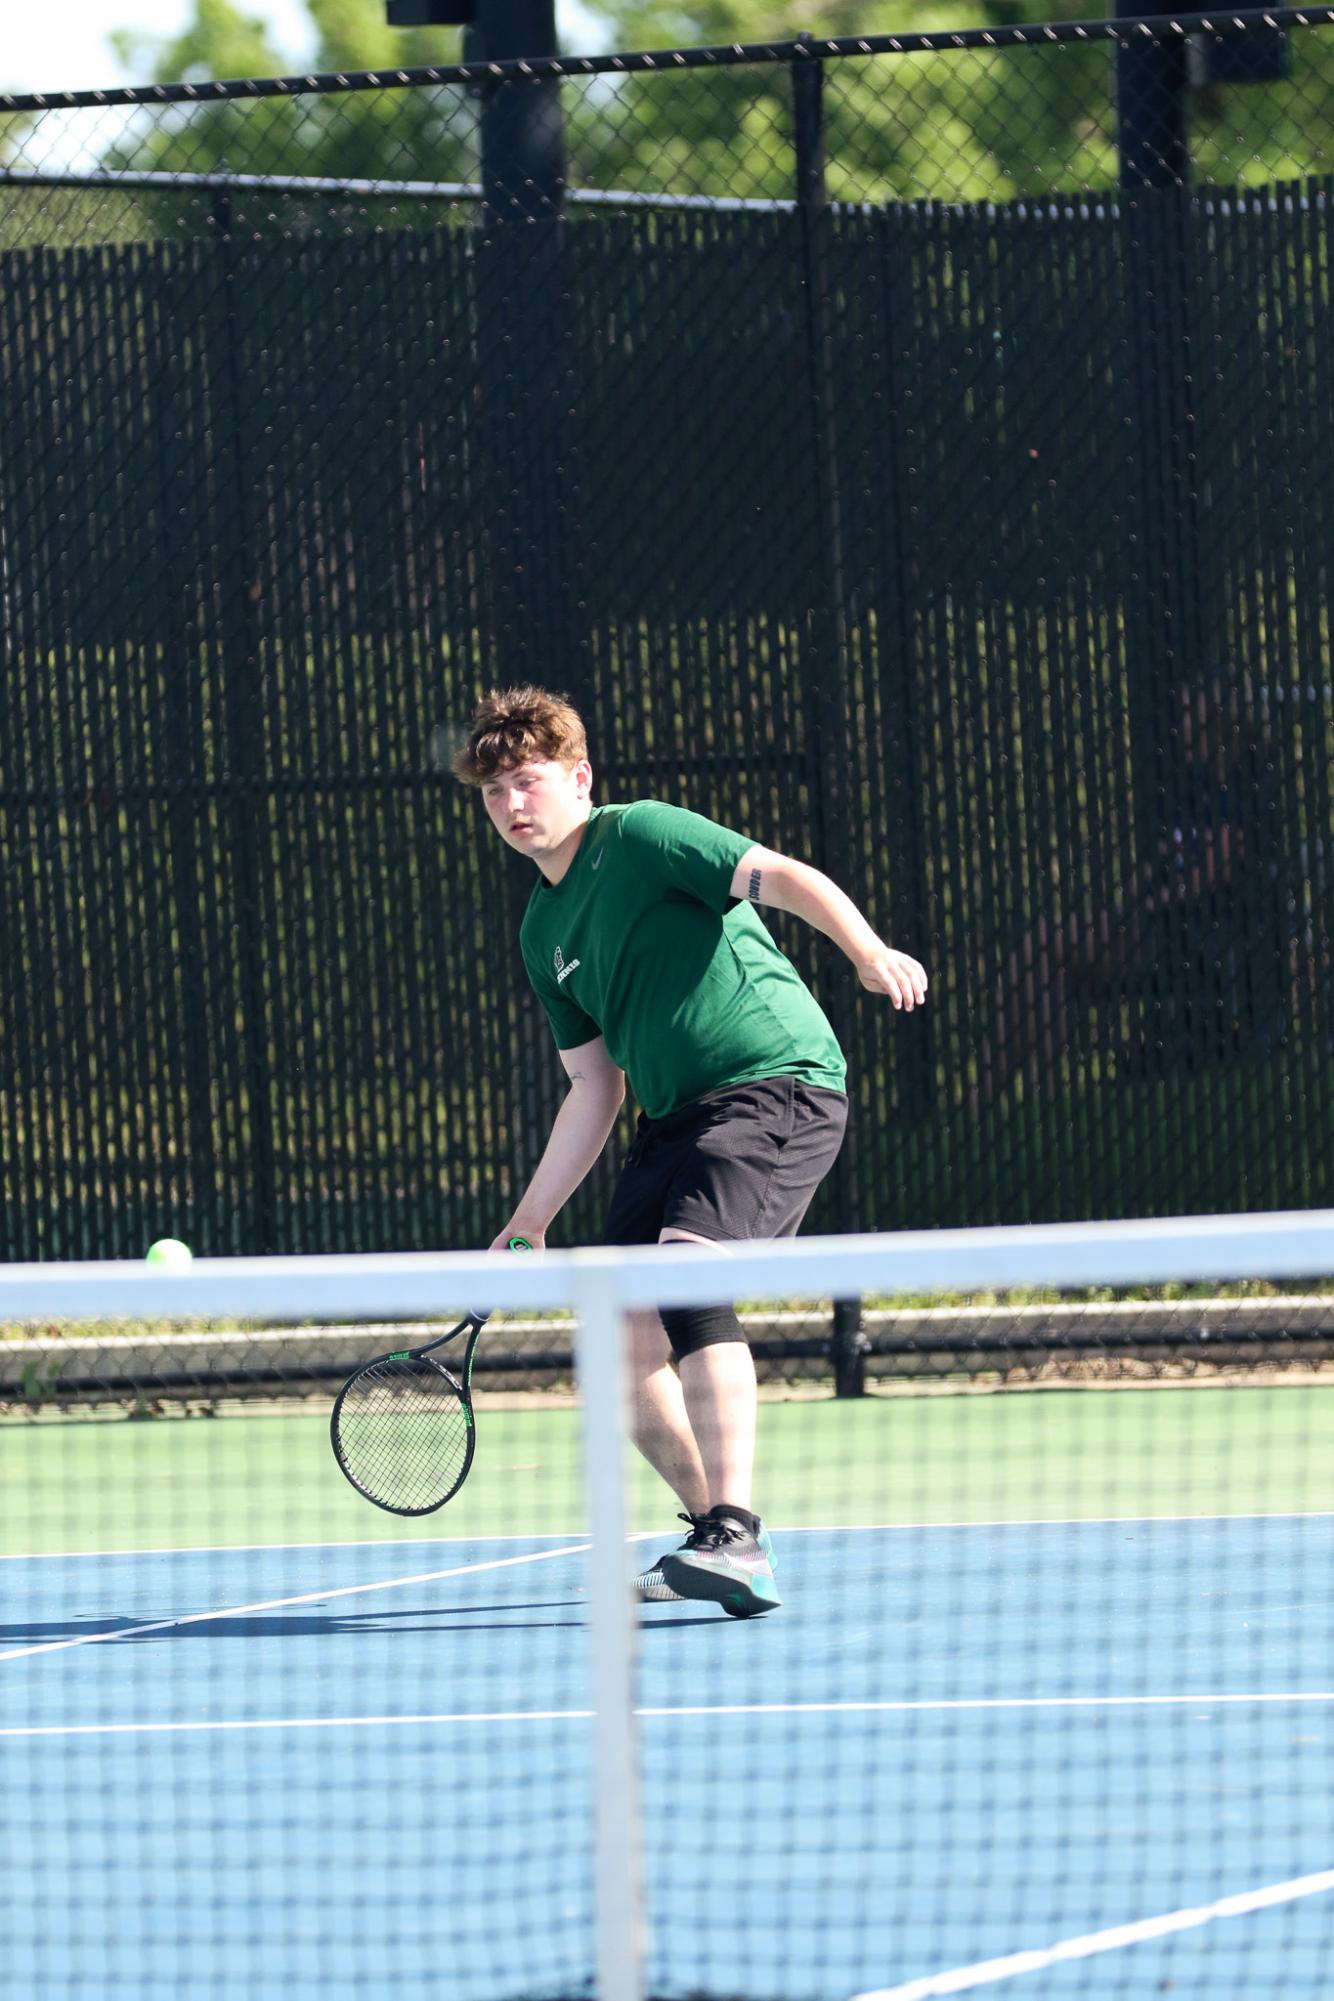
723 1562
652 1588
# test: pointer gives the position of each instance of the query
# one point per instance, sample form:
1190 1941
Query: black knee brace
690 1328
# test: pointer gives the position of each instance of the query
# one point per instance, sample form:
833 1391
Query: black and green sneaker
726 1563
651 1587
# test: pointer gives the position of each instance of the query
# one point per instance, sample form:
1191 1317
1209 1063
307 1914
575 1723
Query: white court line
685 1709
987 1702
1064 1522
297 1723
277 1604
262 1548
962 1979
648 1535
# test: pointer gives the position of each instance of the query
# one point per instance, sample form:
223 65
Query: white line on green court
962 1979
278 1604
983 1703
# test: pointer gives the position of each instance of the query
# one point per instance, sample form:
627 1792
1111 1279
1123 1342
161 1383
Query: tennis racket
402 1427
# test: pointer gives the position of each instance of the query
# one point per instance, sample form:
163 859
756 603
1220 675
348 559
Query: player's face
537 806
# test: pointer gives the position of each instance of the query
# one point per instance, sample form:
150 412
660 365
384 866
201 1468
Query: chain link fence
898 451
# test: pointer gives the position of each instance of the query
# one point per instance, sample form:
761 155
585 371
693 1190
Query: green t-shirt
642 944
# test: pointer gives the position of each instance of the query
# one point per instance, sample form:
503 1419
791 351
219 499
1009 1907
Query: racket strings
404 1434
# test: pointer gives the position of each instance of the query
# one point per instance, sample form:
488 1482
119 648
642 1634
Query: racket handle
514 1244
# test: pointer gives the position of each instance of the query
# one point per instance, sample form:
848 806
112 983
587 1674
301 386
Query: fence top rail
1147 27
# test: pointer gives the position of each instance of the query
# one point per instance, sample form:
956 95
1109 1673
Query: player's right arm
578 1134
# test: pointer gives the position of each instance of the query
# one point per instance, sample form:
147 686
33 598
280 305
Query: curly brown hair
512 725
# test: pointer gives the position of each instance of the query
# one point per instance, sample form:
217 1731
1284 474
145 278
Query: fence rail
1167 29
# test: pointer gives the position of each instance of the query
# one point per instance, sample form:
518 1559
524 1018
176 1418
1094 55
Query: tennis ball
169 1254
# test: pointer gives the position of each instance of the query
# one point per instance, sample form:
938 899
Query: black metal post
198 1205
522 136
1151 107
523 150
1157 231
830 719
238 626
521 332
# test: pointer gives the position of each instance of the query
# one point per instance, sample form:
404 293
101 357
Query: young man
644 945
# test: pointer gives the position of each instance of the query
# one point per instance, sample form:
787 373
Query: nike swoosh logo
597 861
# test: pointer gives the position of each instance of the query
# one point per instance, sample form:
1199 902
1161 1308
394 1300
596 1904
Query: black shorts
740 1163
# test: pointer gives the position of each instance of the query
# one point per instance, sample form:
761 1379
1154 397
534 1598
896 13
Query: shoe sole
739 1597
656 1593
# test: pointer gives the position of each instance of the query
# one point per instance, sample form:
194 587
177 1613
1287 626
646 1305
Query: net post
847 1346
600 1361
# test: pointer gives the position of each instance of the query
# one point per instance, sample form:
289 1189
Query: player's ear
583 777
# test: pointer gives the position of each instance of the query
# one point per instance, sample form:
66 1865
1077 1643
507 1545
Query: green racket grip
513 1244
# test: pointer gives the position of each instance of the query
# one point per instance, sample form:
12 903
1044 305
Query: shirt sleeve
570 1026
685 851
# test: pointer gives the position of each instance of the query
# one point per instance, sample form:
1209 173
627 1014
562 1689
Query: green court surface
268 1477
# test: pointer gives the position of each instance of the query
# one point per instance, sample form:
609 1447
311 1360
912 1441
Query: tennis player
643 941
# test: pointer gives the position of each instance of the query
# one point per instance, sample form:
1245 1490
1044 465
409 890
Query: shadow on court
276 1625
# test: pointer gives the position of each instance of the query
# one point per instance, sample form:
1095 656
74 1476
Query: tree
951 125
374 135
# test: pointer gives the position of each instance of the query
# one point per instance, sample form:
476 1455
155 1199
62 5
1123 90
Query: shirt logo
562 970
597 859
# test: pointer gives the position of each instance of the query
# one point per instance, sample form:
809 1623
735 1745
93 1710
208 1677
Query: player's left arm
766 877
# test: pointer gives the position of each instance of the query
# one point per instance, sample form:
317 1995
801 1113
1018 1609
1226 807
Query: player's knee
690 1328
650 1349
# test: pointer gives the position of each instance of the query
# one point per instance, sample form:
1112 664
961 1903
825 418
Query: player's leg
662 1428
695 1424
716 1375
662 1433
751 1171
728 1557
741 1164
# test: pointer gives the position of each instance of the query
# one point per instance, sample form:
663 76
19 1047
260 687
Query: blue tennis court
363 1768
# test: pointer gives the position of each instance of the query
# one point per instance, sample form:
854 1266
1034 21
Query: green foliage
962 125
953 125
380 135
220 41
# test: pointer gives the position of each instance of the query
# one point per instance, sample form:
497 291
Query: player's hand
536 1239
894 973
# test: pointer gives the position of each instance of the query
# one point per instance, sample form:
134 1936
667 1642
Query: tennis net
1045 1707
